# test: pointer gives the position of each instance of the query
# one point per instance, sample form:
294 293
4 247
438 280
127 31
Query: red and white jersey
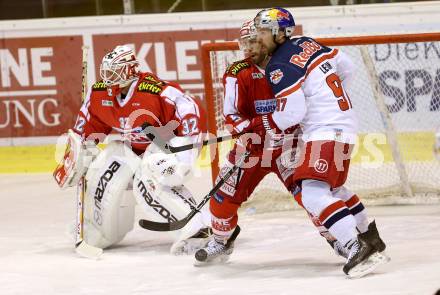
149 100
247 92
311 78
248 95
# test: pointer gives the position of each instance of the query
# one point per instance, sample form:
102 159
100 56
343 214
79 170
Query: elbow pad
293 111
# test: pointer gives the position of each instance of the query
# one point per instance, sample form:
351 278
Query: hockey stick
153 136
164 226
81 247
150 132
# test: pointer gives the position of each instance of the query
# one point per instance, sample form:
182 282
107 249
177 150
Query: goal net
396 95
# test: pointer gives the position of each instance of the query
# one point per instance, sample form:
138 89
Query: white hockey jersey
311 77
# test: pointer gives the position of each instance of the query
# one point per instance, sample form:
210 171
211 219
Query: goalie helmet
248 30
119 67
275 19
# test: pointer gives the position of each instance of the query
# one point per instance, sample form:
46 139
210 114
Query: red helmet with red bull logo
276 19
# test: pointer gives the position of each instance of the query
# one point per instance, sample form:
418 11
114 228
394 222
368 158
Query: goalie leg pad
108 215
161 203
167 204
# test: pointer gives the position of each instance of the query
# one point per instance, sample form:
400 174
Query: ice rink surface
276 253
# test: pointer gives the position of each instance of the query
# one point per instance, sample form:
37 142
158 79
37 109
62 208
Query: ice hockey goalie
131 169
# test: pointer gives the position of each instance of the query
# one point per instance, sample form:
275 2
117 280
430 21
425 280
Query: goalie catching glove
76 160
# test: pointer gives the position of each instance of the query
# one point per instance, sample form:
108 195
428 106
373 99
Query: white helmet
118 67
247 32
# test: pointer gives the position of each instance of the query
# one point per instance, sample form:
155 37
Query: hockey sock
359 212
224 216
355 206
315 220
332 212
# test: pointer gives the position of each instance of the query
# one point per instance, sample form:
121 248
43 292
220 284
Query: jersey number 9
335 84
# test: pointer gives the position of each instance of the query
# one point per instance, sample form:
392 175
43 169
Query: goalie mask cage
396 95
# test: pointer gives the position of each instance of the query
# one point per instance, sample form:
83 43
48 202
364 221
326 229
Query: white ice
276 253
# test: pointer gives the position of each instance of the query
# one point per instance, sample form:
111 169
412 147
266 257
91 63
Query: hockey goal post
396 94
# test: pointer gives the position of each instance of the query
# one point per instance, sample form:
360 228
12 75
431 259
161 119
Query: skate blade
217 260
375 260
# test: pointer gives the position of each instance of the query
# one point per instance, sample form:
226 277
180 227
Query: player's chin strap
175 225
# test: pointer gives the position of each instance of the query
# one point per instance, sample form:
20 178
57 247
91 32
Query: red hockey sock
224 215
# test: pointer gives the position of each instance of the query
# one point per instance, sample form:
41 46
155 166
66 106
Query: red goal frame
207 48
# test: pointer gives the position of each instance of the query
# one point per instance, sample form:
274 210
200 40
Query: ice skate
339 249
191 245
366 253
216 251
372 236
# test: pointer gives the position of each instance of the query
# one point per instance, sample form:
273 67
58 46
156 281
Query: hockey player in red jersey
247 96
311 78
123 102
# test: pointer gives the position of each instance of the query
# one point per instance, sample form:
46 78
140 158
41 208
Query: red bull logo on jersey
309 48
276 76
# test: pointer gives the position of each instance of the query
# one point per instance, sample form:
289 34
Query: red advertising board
40 85
40 77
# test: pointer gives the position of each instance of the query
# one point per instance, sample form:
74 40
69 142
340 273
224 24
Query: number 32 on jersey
189 126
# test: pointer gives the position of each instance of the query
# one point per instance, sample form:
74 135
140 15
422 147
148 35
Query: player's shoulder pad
151 84
278 73
282 76
99 86
304 50
234 68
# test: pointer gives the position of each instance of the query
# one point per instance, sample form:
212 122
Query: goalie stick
81 247
164 226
